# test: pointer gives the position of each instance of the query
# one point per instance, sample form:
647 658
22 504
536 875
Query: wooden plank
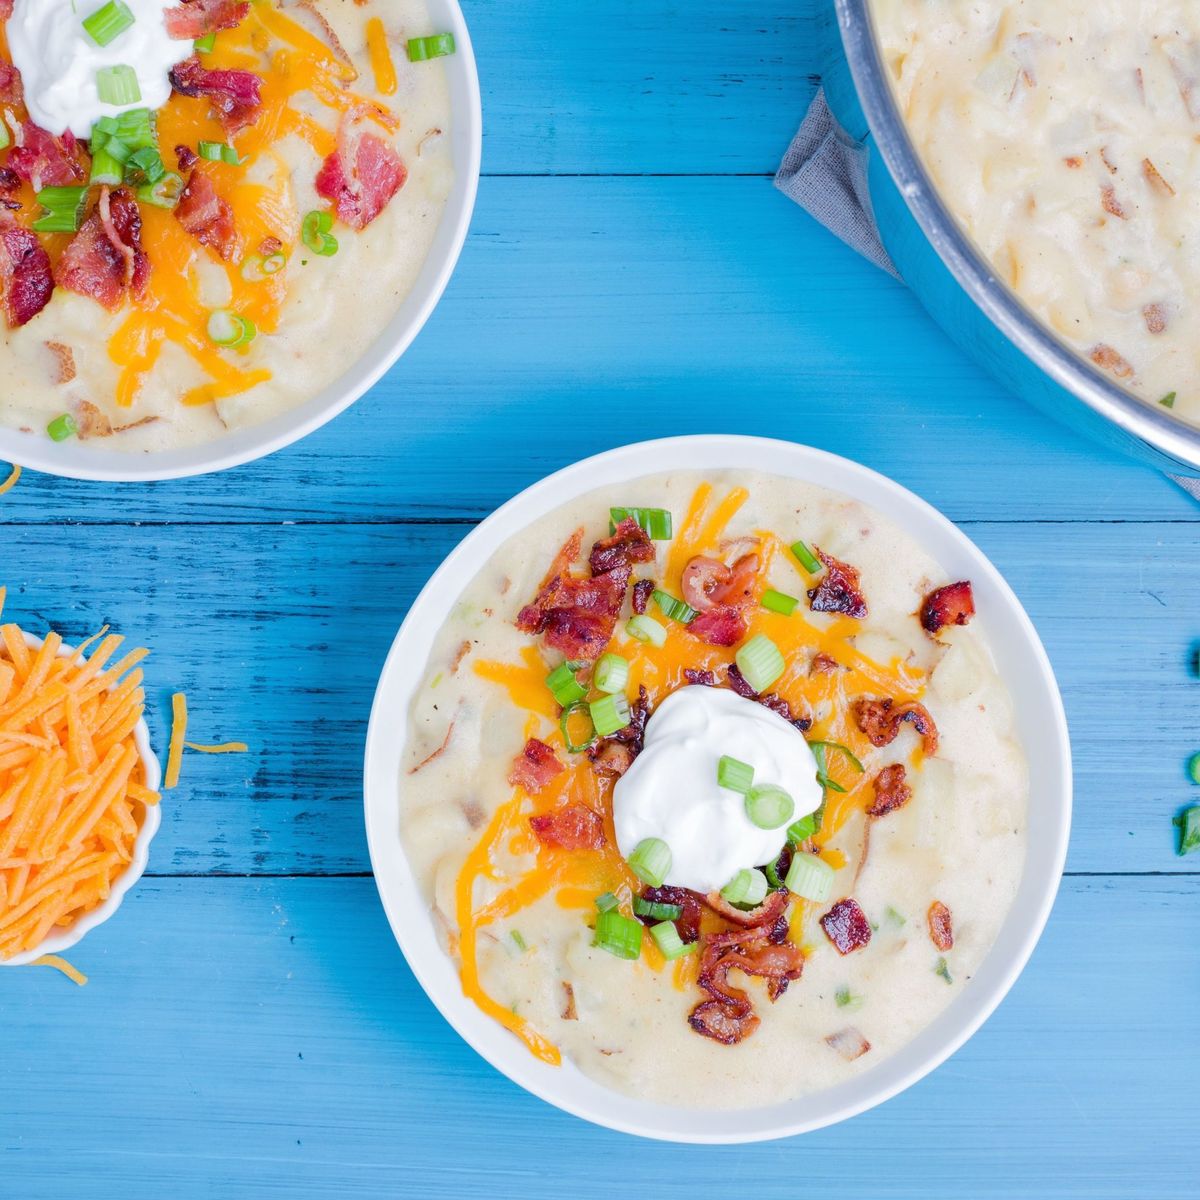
265 1038
621 309
277 634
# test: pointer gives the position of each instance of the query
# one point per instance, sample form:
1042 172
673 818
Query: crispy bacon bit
535 767
891 791
822 664
1074 162
846 926
1108 162
614 755
11 89
610 758
6 9
44 161
628 544
1105 356
838 589
699 678
1155 316
575 827
699 577
361 176
198 18
767 913
269 246
186 157
1110 203
464 648
880 720
91 421
719 626
777 704
953 604
10 181
722 1022
569 1012
849 1043
688 921
1155 179
236 96
941 926
64 360
642 591
26 280
206 216
105 259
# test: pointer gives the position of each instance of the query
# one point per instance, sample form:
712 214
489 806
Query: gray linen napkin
825 172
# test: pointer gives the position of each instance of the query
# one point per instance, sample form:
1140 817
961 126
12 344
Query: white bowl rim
57 943
35 453
568 1088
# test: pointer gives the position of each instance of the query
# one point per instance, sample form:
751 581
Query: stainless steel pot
955 282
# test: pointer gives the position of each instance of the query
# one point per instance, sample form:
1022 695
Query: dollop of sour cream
671 790
58 60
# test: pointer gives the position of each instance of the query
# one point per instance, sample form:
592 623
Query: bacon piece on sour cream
105 259
198 18
26 279
361 176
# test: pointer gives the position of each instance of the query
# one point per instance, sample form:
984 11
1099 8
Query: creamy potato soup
1064 138
208 208
722 801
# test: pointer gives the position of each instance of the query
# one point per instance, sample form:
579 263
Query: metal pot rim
1158 428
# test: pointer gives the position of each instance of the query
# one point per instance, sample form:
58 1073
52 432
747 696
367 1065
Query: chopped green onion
807 559
564 684
118 85
847 999
611 673
801 830
564 723
230 330
1194 768
666 938
420 49
779 602
760 662
895 916
206 44
64 209
809 877
651 860
769 806
607 901
734 774
675 609
819 749
108 23
609 714
518 940
134 127
274 263
854 762
144 166
747 887
943 969
655 521
62 428
221 152
315 233
163 194
5 136
657 910
107 169
619 934
1168 401
646 629
1189 830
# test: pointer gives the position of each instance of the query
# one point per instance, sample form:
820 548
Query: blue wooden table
250 1028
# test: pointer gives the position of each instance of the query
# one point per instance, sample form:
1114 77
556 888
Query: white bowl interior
57 943
1041 725
78 460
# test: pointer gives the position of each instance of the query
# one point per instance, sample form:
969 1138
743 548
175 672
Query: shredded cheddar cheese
72 783
575 878
12 480
74 974
179 720
382 66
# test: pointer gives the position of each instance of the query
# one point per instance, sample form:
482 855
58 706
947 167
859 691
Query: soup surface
1063 137
307 163
878 907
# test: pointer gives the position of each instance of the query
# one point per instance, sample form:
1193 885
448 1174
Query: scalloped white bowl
63 940
77 460
1041 726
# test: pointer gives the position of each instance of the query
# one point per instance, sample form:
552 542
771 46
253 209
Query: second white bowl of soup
709 803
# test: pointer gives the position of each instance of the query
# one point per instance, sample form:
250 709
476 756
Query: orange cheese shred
11 481
74 974
382 65
222 748
179 720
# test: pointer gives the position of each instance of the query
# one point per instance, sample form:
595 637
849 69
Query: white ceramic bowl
1040 721
76 460
57 943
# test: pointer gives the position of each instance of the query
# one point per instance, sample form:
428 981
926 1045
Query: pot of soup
1028 173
